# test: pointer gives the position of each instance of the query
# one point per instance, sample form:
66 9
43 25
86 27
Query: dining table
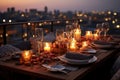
10 68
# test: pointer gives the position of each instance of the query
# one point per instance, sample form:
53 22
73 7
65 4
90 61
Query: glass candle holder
88 35
26 56
96 36
47 47
72 45
84 44
77 34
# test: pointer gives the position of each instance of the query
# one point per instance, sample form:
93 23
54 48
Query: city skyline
62 5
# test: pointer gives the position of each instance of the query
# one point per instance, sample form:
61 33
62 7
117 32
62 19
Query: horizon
71 5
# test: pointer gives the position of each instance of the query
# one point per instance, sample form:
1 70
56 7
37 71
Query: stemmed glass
99 29
39 33
105 26
59 34
39 38
69 31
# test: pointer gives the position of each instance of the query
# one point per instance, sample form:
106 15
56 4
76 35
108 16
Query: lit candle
84 44
95 36
26 55
77 34
47 47
73 45
88 34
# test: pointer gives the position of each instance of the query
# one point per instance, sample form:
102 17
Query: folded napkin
50 37
7 50
78 56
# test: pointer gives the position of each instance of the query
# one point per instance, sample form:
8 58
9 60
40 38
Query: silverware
59 68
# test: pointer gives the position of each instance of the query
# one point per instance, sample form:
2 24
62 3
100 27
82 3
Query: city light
33 35
58 22
45 22
29 24
1 35
81 20
4 20
6 35
114 13
109 12
10 21
22 15
40 24
113 22
24 35
117 26
67 22
106 19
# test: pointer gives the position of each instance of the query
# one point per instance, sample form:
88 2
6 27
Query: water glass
39 34
59 34
39 39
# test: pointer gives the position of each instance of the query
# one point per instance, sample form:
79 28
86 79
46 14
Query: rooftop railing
19 31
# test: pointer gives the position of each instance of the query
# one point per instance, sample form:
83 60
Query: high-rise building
46 9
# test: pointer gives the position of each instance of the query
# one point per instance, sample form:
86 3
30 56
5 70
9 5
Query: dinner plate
116 38
102 44
77 62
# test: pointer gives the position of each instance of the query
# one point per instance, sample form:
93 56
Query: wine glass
59 34
99 29
39 34
69 31
105 26
39 38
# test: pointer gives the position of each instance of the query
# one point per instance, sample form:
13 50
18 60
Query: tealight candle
96 36
77 34
88 34
26 55
84 44
73 45
47 47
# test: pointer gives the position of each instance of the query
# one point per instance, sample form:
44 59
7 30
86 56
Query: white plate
101 45
77 62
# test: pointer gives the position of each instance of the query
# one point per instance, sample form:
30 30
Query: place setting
77 58
62 68
102 44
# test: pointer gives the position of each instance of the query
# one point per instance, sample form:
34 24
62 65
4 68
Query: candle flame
73 44
84 44
47 47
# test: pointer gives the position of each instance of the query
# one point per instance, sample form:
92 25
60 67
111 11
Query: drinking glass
105 26
39 38
69 31
59 34
99 29
39 34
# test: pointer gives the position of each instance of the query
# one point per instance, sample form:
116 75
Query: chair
115 72
116 76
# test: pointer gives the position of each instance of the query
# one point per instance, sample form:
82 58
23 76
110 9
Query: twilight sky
62 5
